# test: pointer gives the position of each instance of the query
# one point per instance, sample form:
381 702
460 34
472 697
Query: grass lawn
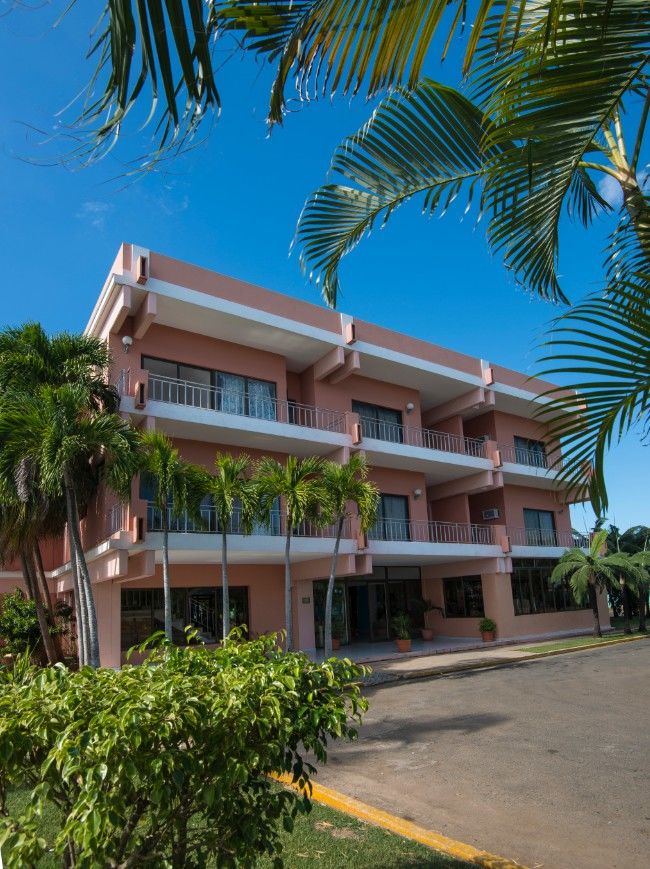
323 837
577 642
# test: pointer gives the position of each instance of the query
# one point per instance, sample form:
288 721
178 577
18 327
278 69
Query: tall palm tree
54 430
592 572
642 561
297 483
178 488
231 487
344 486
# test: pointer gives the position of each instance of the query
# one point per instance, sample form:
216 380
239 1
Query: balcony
209 524
420 531
428 439
530 458
546 539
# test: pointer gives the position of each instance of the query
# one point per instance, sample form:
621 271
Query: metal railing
207 523
421 531
117 519
531 458
123 382
546 537
203 617
426 438
192 394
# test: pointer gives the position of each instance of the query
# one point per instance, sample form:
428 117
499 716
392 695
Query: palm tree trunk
288 603
85 585
83 648
627 608
593 600
41 583
167 589
34 594
329 598
643 603
224 582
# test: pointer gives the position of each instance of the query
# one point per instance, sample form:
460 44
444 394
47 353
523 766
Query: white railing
207 523
117 519
192 394
530 458
426 438
203 617
421 531
123 382
544 537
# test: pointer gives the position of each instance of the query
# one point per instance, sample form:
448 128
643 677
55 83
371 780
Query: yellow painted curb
394 824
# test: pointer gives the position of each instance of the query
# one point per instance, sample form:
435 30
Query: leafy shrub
166 764
18 623
487 625
401 624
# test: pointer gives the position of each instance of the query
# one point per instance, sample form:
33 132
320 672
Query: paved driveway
545 762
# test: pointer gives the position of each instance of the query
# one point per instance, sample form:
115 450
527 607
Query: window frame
399 425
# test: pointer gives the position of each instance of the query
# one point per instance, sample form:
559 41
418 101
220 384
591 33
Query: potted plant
338 629
401 624
424 606
488 629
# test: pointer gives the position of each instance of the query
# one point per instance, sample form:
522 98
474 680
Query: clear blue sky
232 205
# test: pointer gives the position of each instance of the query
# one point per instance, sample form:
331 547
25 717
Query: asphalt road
546 762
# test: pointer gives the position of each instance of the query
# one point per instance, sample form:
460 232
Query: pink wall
339 396
454 509
516 498
485 501
395 482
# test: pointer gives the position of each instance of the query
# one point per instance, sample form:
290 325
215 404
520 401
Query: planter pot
403 645
336 644
488 636
427 633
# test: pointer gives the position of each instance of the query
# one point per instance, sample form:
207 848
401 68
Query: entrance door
378 611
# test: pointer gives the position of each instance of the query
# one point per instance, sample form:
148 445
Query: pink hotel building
469 518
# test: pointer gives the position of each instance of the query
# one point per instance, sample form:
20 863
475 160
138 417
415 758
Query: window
464 597
530 452
392 521
177 383
142 612
380 423
533 592
540 527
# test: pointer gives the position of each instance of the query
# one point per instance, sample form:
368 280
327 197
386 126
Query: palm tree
592 572
297 483
231 487
178 488
642 561
343 486
54 431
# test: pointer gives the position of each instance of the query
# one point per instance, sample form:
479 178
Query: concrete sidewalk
403 669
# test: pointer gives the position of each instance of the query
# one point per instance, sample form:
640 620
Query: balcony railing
117 519
544 537
208 523
192 394
531 458
426 438
420 531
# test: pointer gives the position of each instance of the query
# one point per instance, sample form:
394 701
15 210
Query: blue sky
232 205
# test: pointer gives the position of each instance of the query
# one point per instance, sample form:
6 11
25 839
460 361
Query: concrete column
304 615
108 604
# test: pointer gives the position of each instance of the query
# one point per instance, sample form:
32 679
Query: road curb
486 664
406 829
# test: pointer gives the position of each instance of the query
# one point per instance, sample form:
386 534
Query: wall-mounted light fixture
417 493
410 407
127 341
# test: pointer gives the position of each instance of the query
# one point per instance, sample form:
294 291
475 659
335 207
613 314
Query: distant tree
297 485
178 488
591 572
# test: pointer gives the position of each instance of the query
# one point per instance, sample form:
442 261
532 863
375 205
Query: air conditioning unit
493 513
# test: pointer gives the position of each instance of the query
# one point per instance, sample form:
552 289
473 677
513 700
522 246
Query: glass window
464 597
533 592
246 396
530 452
380 423
392 521
540 527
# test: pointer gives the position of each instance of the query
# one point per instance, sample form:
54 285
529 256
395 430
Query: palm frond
603 345
160 45
426 142
549 103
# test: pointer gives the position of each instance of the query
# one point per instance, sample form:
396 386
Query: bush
166 764
487 626
18 623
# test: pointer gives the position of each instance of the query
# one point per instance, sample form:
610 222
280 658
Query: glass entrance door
378 611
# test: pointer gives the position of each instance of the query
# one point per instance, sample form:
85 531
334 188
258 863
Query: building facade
470 517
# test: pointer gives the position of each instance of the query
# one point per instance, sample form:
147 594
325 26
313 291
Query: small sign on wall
306 599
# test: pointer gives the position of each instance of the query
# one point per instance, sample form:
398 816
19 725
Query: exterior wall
516 498
454 509
391 481
340 396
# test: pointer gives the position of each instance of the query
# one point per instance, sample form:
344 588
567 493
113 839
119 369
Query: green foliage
402 626
487 625
167 763
18 623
